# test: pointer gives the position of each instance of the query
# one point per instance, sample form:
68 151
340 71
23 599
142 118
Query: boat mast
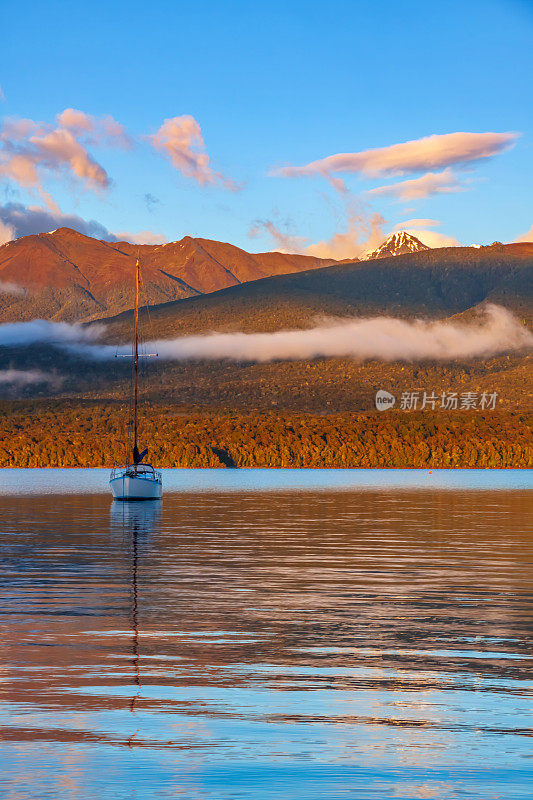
136 359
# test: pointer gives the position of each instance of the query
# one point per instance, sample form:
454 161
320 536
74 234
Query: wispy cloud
431 183
417 155
26 377
361 234
96 130
43 331
6 287
382 338
180 140
283 240
7 232
361 231
434 238
419 228
151 201
141 237
525 237
417 223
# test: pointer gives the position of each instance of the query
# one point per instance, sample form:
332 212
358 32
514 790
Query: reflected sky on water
93 481
317 642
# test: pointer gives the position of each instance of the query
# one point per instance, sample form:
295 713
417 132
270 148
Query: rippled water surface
267 634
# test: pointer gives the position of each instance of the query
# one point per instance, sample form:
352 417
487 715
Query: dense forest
69 433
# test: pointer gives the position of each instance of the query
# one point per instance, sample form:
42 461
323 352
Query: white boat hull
128 487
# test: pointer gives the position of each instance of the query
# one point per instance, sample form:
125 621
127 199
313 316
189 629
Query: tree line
92 434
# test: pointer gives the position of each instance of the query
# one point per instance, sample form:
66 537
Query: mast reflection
137 523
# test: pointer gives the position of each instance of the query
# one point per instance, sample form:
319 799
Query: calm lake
288 634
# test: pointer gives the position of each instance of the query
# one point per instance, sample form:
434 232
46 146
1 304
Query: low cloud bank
27 377
42 331
382 338
11 288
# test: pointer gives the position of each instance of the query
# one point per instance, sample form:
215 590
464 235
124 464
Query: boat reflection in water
267 645
137 522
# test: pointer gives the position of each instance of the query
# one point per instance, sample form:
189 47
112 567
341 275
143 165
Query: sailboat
139 480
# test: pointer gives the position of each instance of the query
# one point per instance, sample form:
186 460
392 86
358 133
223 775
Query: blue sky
273 84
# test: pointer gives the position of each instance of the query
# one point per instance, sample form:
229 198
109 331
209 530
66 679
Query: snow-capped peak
397 244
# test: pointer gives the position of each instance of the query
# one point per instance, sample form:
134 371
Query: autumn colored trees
91 433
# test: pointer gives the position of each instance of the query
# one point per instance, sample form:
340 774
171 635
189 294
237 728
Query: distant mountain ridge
65 275
435 283
398 244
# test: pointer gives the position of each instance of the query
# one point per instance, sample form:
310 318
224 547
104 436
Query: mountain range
436 283
65 275
430 283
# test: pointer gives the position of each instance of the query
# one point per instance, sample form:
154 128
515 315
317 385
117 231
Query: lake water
305 635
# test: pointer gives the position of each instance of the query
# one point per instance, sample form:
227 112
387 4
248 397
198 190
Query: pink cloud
76 120
11 288
34 151
7 233
526 237
141 237
433 238
362 233
284 241
431 183
96 130
180 140
417 223
59 149
430 152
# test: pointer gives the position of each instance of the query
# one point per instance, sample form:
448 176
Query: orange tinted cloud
59 149
431 152
284 242
141 237
417 223
433 238
431 183
32 151
75 120
180 140
97 130
526 237
362 233
7 233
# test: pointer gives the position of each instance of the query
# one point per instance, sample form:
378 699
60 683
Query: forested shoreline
87 434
